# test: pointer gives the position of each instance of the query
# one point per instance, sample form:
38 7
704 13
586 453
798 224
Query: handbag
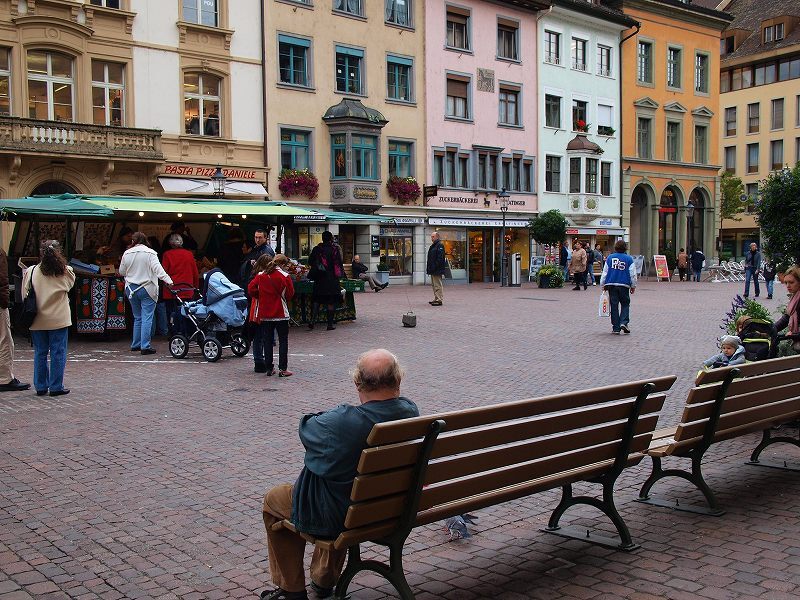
29 309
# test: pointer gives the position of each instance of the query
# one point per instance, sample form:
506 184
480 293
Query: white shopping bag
604 308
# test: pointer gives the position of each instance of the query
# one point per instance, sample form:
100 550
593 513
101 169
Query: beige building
759 101
345 91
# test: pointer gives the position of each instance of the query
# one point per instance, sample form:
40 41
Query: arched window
202 110
50 86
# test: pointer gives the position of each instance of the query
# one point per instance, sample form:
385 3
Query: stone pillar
652 231
681 229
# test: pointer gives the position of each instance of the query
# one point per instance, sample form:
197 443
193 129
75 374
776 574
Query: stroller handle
181 287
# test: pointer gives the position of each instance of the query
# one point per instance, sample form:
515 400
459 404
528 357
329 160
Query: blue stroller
217 317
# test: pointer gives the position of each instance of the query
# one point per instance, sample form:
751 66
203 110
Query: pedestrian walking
271 290
326 271
752 264
768 270
9 382
683 264
436 267
697 260
563 257
51 279
578 266
619 280
588 277
142 270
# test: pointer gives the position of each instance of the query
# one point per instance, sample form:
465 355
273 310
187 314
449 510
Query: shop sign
375 245
572 232
477 222
606 222
430 191
481 202
309 218
396 231
602 232
662 267
458 199
408 220
203 171
365 193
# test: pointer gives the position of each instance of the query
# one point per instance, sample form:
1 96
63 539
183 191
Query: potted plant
550 276
405 190
382 274
582 126
298 182
605 130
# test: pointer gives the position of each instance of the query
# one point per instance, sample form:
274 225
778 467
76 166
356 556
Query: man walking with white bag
619 280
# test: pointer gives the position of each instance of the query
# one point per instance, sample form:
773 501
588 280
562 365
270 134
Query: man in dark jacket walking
697 259
436 268
752 264
261 247
8 383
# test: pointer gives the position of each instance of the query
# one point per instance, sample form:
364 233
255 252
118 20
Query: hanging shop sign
429 191
375 245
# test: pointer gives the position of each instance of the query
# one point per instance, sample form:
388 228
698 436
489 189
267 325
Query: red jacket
179 264
270 294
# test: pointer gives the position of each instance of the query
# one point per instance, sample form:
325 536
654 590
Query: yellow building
670 121
759 101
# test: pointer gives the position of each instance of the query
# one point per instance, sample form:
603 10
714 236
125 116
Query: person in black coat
697 259
563 259
326 271
261 247
436 268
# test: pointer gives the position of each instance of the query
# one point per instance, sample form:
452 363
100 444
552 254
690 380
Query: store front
397 250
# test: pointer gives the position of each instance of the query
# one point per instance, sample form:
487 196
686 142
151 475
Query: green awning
66 205
336 216
226 208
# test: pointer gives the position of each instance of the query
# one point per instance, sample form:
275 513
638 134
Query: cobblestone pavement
146 481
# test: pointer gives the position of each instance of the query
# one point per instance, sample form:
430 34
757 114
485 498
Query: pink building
481 111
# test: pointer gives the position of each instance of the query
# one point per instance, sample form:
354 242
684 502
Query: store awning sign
205 187
476 222
309 218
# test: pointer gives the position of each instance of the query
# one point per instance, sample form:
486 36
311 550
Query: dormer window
727 45
773 33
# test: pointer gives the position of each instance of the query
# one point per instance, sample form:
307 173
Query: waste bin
516 270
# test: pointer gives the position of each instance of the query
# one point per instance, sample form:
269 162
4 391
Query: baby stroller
217 318
759 338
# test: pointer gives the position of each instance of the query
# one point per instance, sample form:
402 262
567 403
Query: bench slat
741 418
368 487
743 386
394 456
750 369
759 398
365 513
409 429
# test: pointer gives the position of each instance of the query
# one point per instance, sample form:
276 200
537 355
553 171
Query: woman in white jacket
141 270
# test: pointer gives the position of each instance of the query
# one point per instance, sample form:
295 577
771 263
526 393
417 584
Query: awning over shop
335 216
59 207
205 187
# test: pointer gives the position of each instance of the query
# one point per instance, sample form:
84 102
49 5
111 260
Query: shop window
457 98
579 113
730 121
295 149
455 250
701 62
349 70
202 12
350 7
106 3
365 157
753 118
552 47
398 78
603 60
578 54
776 154
674 57
5 82
201 113
487 171
552 173
398 12
507 41
674 141
605 178
552 111
308 238
701 144
396 249
730 159
339 156
644 62
752 158
50 86
644 137
458 30
108 93
399 159
574 175
509 106
777 113
591 176
293 60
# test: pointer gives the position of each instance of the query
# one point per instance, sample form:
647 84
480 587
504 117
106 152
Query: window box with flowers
405 190
582 126
298 182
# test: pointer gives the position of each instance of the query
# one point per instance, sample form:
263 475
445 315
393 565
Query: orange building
670 126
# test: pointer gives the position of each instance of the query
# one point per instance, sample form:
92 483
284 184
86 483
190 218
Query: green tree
548 228
778 215
732 190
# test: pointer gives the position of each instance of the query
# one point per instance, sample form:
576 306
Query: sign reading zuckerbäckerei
662 267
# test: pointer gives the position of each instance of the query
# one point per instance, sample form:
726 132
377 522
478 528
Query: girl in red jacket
270 290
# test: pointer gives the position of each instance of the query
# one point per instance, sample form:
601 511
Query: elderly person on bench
317 503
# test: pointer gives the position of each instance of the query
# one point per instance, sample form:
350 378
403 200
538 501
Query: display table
99 303
300 305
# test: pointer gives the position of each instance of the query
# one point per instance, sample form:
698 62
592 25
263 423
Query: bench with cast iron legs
724 404
413 474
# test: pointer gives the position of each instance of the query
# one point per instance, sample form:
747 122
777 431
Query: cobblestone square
146 480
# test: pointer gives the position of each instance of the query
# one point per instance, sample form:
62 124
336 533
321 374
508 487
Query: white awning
204 187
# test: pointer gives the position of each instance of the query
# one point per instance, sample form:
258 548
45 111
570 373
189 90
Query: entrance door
480 256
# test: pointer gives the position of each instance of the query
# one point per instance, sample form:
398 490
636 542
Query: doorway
481 264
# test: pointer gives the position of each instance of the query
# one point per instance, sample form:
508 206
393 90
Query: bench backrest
765 393
492 454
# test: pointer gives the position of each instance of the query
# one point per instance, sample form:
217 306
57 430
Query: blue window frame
349 70
365 157
398 78
294 149
399 159
339 156
293 60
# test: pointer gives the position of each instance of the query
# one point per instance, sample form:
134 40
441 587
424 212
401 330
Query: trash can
516 270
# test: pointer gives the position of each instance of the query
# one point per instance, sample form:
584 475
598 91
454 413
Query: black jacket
254 254
436 263
358 268
697 259
564 257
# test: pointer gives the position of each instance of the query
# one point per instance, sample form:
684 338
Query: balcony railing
79 139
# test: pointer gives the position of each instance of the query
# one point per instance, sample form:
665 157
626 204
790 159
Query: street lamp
218 181
504 196
690 226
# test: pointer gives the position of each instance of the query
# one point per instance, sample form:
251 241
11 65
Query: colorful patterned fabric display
100 304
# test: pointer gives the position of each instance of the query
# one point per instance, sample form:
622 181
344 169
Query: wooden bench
412 474
726 403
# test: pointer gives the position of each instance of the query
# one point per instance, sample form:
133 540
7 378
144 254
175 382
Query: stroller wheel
212 349
240 345
178 346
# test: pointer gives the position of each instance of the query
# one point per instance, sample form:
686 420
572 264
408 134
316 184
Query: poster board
537 262
662 268
638 260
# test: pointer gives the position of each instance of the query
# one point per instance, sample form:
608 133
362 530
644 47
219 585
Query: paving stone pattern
146 481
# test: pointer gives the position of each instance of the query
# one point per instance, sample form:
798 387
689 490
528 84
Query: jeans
160 320
143 308
697 274
566 272
750 273
770 287
619 295
258 342
282 328
54 343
